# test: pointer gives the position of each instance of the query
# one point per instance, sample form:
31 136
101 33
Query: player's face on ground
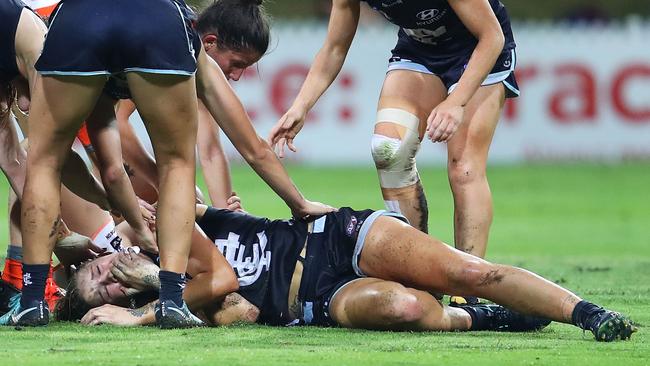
233 63
98 286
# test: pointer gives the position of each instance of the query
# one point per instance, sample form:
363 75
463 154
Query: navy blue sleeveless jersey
263 254
434 25
9 16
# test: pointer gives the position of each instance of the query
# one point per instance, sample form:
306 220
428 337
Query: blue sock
582 315
15 253
171 286
34 277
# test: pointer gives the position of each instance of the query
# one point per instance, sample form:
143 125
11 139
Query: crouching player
356 269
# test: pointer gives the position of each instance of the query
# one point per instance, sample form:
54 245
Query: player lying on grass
96 282
356 269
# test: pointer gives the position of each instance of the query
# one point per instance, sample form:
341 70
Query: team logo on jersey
427 14
27 279
351 225
506 63
248 269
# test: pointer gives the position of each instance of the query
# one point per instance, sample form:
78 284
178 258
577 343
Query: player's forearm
76 177
259 155
267 165
481 62
205 289
145 315
212 158
341 29
135 154
14 157
326 66
225 107
217 178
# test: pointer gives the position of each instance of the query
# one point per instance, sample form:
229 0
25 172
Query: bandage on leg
395 161
395 158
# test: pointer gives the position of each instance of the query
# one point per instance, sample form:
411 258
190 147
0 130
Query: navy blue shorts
100 37
10 11
332 260
450 69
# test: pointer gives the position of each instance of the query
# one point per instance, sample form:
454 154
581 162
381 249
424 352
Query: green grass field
586 227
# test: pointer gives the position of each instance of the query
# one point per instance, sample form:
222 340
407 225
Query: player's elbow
257 153
222 282
497 39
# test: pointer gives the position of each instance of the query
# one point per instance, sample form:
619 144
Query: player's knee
395 157
463 172
399 307
471 275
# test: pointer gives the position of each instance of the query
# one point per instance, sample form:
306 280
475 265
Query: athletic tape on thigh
395 158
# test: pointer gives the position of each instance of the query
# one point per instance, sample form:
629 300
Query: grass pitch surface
586 227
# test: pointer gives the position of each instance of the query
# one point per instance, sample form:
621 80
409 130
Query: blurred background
583 67
520 10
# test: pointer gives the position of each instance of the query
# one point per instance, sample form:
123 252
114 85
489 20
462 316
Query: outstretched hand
286 129
111 314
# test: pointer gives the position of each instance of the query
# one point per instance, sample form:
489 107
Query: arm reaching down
214 163
224 106
342 27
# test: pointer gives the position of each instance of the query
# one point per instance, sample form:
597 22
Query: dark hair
72 306
8 94
238 24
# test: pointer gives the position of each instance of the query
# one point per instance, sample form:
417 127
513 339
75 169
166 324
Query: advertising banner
585 95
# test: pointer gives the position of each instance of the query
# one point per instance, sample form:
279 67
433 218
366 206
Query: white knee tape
395 158
392 205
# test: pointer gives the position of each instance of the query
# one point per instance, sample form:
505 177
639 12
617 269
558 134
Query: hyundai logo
427 14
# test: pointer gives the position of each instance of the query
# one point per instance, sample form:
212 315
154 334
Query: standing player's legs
59 105
407 97
372 303
168 106
466 166
394 251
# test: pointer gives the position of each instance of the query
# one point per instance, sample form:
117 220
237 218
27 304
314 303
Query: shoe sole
617 327
39 323
170 323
